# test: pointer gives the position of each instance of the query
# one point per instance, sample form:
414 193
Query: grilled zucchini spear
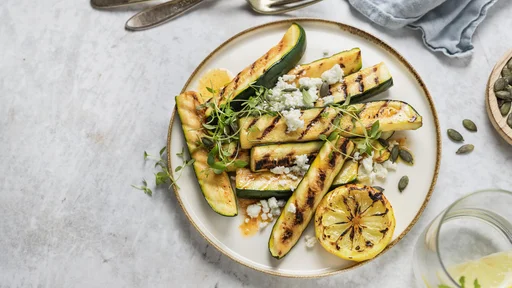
315 184
392 115
266 157
216 188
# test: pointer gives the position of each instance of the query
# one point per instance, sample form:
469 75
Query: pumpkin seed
509 61
505 108
394 153
402 184
378 188
465 149
454 135
509 120
207 142
500 84
406 156
506 72
509 65
289 90
470 125
505 95
509 79
324 89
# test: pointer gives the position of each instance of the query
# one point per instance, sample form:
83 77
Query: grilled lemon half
354 222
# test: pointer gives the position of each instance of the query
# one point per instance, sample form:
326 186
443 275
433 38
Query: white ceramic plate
240 51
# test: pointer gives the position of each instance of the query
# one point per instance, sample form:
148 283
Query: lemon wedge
213 80
354 222
494 270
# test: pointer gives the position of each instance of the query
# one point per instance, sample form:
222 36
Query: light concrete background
81 99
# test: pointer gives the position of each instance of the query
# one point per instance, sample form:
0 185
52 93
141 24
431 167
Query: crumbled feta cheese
301 164
333 75
380 171
371 177
253 210
356 157
310 82
280 170
275 211
264 217
288 78
282 183
291 208
368 163
392 143
328 100
310 241
281 203
246 220
263 224
264 206
272 203
313 92
292 176
389 165
270 216
293 121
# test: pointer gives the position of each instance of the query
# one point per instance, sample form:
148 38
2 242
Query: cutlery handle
104 4
159 14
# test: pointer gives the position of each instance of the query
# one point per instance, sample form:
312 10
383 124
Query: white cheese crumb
310 241
275 211
263 224
280 170
253 210
392 143
310 82
264 206
333 75
292 176
291 208
293 121
368 163
281 203
282 183
371 177
380 171
390 165
246 220
272 203
270 216
328 100
264 217
301 164
356 157
288 78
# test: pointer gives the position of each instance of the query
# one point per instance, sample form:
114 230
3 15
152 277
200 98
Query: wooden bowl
491 102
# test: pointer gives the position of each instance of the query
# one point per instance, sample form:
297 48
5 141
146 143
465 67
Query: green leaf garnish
161 153
240 163
307 98
322 137
211 90
146 155
476 284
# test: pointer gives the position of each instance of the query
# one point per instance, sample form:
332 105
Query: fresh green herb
307 98
462 283
211 90
144 188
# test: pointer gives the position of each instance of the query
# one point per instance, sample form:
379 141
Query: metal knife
102 4
159 14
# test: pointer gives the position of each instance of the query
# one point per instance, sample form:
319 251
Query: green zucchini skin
348 174
393 115
316 183
216 188
266 70
266 157
263 185
361 85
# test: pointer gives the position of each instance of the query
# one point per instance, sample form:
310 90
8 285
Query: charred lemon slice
354 222
213 81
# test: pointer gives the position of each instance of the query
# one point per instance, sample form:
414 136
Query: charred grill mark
381 109
252 123
376 79
333 158
299 217
322 175
266 57
358 55
321 64
357 248
413 119
312 157
384 232
381 214
300 71
288 233
344 146
270 127
375 69
312 123
251 70
263 163
375 196
368 243
342 65
352 234
311 198
359 79
194 95
344 89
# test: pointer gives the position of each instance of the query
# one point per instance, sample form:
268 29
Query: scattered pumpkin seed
394 153
324 89
406 156
465 149
500 84
454 135
402 184
505 95
289 90
378 188
509 79
509 120
470 125
207 142
383 142
506 72
505 108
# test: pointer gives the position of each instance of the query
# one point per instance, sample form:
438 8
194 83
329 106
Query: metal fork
279 6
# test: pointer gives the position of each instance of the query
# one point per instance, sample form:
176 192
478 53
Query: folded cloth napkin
447 25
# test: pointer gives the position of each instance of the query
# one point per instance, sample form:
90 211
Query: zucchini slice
236 153
266 157
392 115
263 185
315 184
361 85
266 70
348 174
350 62
216 188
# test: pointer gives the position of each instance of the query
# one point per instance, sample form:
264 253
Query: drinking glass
458 243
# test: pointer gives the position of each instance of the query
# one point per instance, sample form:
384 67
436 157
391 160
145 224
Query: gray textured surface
81 98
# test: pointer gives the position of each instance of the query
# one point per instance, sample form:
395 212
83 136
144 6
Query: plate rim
369 37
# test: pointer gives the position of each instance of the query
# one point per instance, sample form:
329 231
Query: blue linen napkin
447 25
